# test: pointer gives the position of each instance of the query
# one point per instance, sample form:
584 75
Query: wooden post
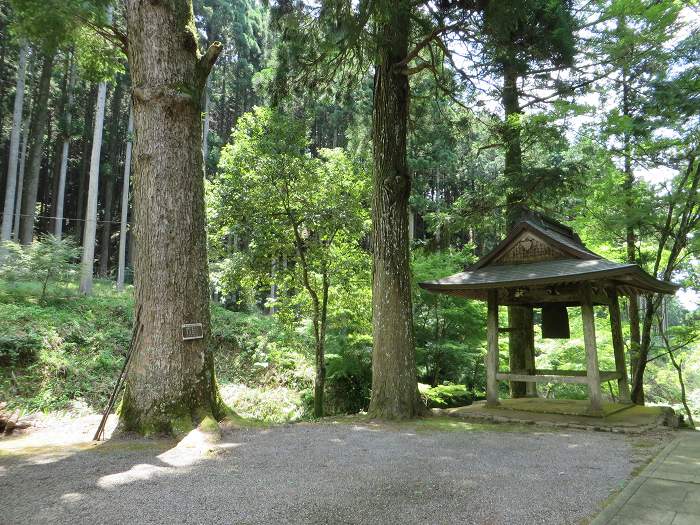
618 345
530 386
592 369
492 349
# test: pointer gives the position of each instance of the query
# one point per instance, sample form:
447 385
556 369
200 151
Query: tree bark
20 176
205 131
170 384
87 261
520 336
652 303
394 381
110 179
36 143
11 183
123 225
628 195
85 161
60 194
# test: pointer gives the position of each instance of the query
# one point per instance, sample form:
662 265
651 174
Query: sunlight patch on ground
142 472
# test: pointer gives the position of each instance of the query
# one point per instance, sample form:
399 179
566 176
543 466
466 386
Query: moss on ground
434 424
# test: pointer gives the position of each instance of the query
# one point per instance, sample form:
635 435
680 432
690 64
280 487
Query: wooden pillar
618 345
492 349
592 368
530 386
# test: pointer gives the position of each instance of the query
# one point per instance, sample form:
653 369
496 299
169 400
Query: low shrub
446 396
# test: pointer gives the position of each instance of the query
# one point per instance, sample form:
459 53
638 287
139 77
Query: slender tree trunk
170 384
651 306
123 225
520 338
321 322
36 143
20 176
205 131
103 267
110 179
85 161
90 229
11 184
61 192
394 382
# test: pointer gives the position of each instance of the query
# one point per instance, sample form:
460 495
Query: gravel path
325 473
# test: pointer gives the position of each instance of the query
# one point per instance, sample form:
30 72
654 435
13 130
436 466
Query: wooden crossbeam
556 376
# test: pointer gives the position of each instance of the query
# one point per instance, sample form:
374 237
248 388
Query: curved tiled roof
573 263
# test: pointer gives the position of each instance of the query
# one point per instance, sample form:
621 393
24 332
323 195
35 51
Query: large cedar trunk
631 241
520 337
394 381
170 383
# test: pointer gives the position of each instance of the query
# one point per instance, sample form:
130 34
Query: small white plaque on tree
192 331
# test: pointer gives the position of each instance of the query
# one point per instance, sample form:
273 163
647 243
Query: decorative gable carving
528 248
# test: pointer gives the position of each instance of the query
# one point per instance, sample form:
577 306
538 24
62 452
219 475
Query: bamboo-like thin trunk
89 232
125 204
205 130
11 184
108 195
60 195
20 177
36 143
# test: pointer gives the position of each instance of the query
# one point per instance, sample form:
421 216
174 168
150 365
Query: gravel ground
325 473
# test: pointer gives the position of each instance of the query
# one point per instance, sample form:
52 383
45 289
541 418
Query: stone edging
659 423
609 512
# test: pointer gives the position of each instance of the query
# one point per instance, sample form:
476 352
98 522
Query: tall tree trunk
11 184
67 122
110 179
631 246
519 317
630 236
20 175
123 225
36 143
87 261
85 160
394 380
205 131
651 304
170 384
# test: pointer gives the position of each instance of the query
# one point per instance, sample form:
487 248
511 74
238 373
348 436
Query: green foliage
50 24
529 31
60 353
256 350
450 332
99 60
49 260
445 396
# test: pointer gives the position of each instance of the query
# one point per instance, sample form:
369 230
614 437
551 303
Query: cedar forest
285 173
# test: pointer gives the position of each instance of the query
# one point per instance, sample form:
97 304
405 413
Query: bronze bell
555 321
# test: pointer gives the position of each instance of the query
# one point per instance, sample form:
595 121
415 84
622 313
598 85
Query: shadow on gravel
322 473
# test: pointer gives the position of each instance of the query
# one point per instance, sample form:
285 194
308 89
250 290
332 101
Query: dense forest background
587 112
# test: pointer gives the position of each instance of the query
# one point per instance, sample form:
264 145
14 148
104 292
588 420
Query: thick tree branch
208 59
